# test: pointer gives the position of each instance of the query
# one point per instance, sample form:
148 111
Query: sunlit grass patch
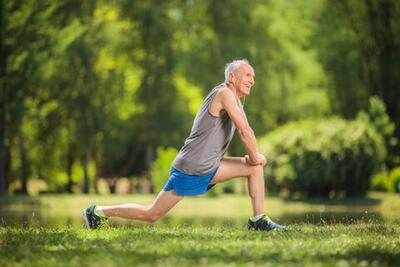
365 244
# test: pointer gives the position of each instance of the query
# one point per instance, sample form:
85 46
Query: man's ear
232 75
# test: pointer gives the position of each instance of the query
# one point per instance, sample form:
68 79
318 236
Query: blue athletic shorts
189 185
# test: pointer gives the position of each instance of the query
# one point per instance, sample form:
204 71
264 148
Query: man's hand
261 160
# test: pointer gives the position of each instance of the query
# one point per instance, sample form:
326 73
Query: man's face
244 79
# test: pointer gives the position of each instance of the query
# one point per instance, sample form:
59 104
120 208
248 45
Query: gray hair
233 66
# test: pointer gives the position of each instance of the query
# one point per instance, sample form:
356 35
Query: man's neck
234 90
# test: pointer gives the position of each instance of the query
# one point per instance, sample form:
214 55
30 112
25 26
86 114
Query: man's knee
256 170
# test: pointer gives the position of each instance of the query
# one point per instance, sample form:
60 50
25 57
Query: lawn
358 244
223 240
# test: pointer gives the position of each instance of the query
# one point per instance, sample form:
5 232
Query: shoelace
265 221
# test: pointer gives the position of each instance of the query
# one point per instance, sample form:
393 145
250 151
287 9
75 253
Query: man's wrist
251 161
254 157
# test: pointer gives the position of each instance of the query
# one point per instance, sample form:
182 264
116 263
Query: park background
105 90
97 97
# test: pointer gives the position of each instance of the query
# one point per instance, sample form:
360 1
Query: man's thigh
232 167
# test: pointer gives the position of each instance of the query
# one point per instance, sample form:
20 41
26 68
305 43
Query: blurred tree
290 82
160 122
102 81
70 82
23 44
117 65
358 44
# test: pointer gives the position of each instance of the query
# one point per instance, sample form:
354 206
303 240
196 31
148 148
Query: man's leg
232 167
150 213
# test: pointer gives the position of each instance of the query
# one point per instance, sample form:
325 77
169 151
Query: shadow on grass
331 217
39 218
358 201
371 253
21 199
362 201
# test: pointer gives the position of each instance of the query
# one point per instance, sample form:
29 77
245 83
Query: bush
387 181
321 157
161 167
377 117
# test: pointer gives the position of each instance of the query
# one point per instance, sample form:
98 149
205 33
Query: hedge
323 157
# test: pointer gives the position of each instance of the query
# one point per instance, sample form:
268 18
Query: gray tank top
208 140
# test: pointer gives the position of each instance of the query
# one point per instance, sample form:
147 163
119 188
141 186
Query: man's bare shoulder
225 94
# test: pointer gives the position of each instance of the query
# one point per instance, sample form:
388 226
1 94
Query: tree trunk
70 162
85 163
97 170
84 142
24 163
149 160
3 152
124 171
112 184
3 174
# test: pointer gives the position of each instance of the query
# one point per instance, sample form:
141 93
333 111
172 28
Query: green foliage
387 181
290 81
321 157
161 167
357 46
377 117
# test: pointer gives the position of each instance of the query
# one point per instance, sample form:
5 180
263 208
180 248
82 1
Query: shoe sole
86 219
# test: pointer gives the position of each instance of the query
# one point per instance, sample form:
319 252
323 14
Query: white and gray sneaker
264 224
92 220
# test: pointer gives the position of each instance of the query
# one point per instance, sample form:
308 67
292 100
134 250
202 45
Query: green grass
215 234
362 244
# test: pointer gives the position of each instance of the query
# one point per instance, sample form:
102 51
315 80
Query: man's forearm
250 143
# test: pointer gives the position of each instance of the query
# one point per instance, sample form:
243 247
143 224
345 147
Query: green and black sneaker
264 224
92 220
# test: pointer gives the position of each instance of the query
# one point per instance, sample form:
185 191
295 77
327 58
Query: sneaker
264 224
92 220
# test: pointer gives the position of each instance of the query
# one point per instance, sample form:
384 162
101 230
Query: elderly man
200 163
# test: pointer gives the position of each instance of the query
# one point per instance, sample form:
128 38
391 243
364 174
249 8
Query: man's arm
246 134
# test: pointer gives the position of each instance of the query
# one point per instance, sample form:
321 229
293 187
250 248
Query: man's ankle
256 217
99 211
